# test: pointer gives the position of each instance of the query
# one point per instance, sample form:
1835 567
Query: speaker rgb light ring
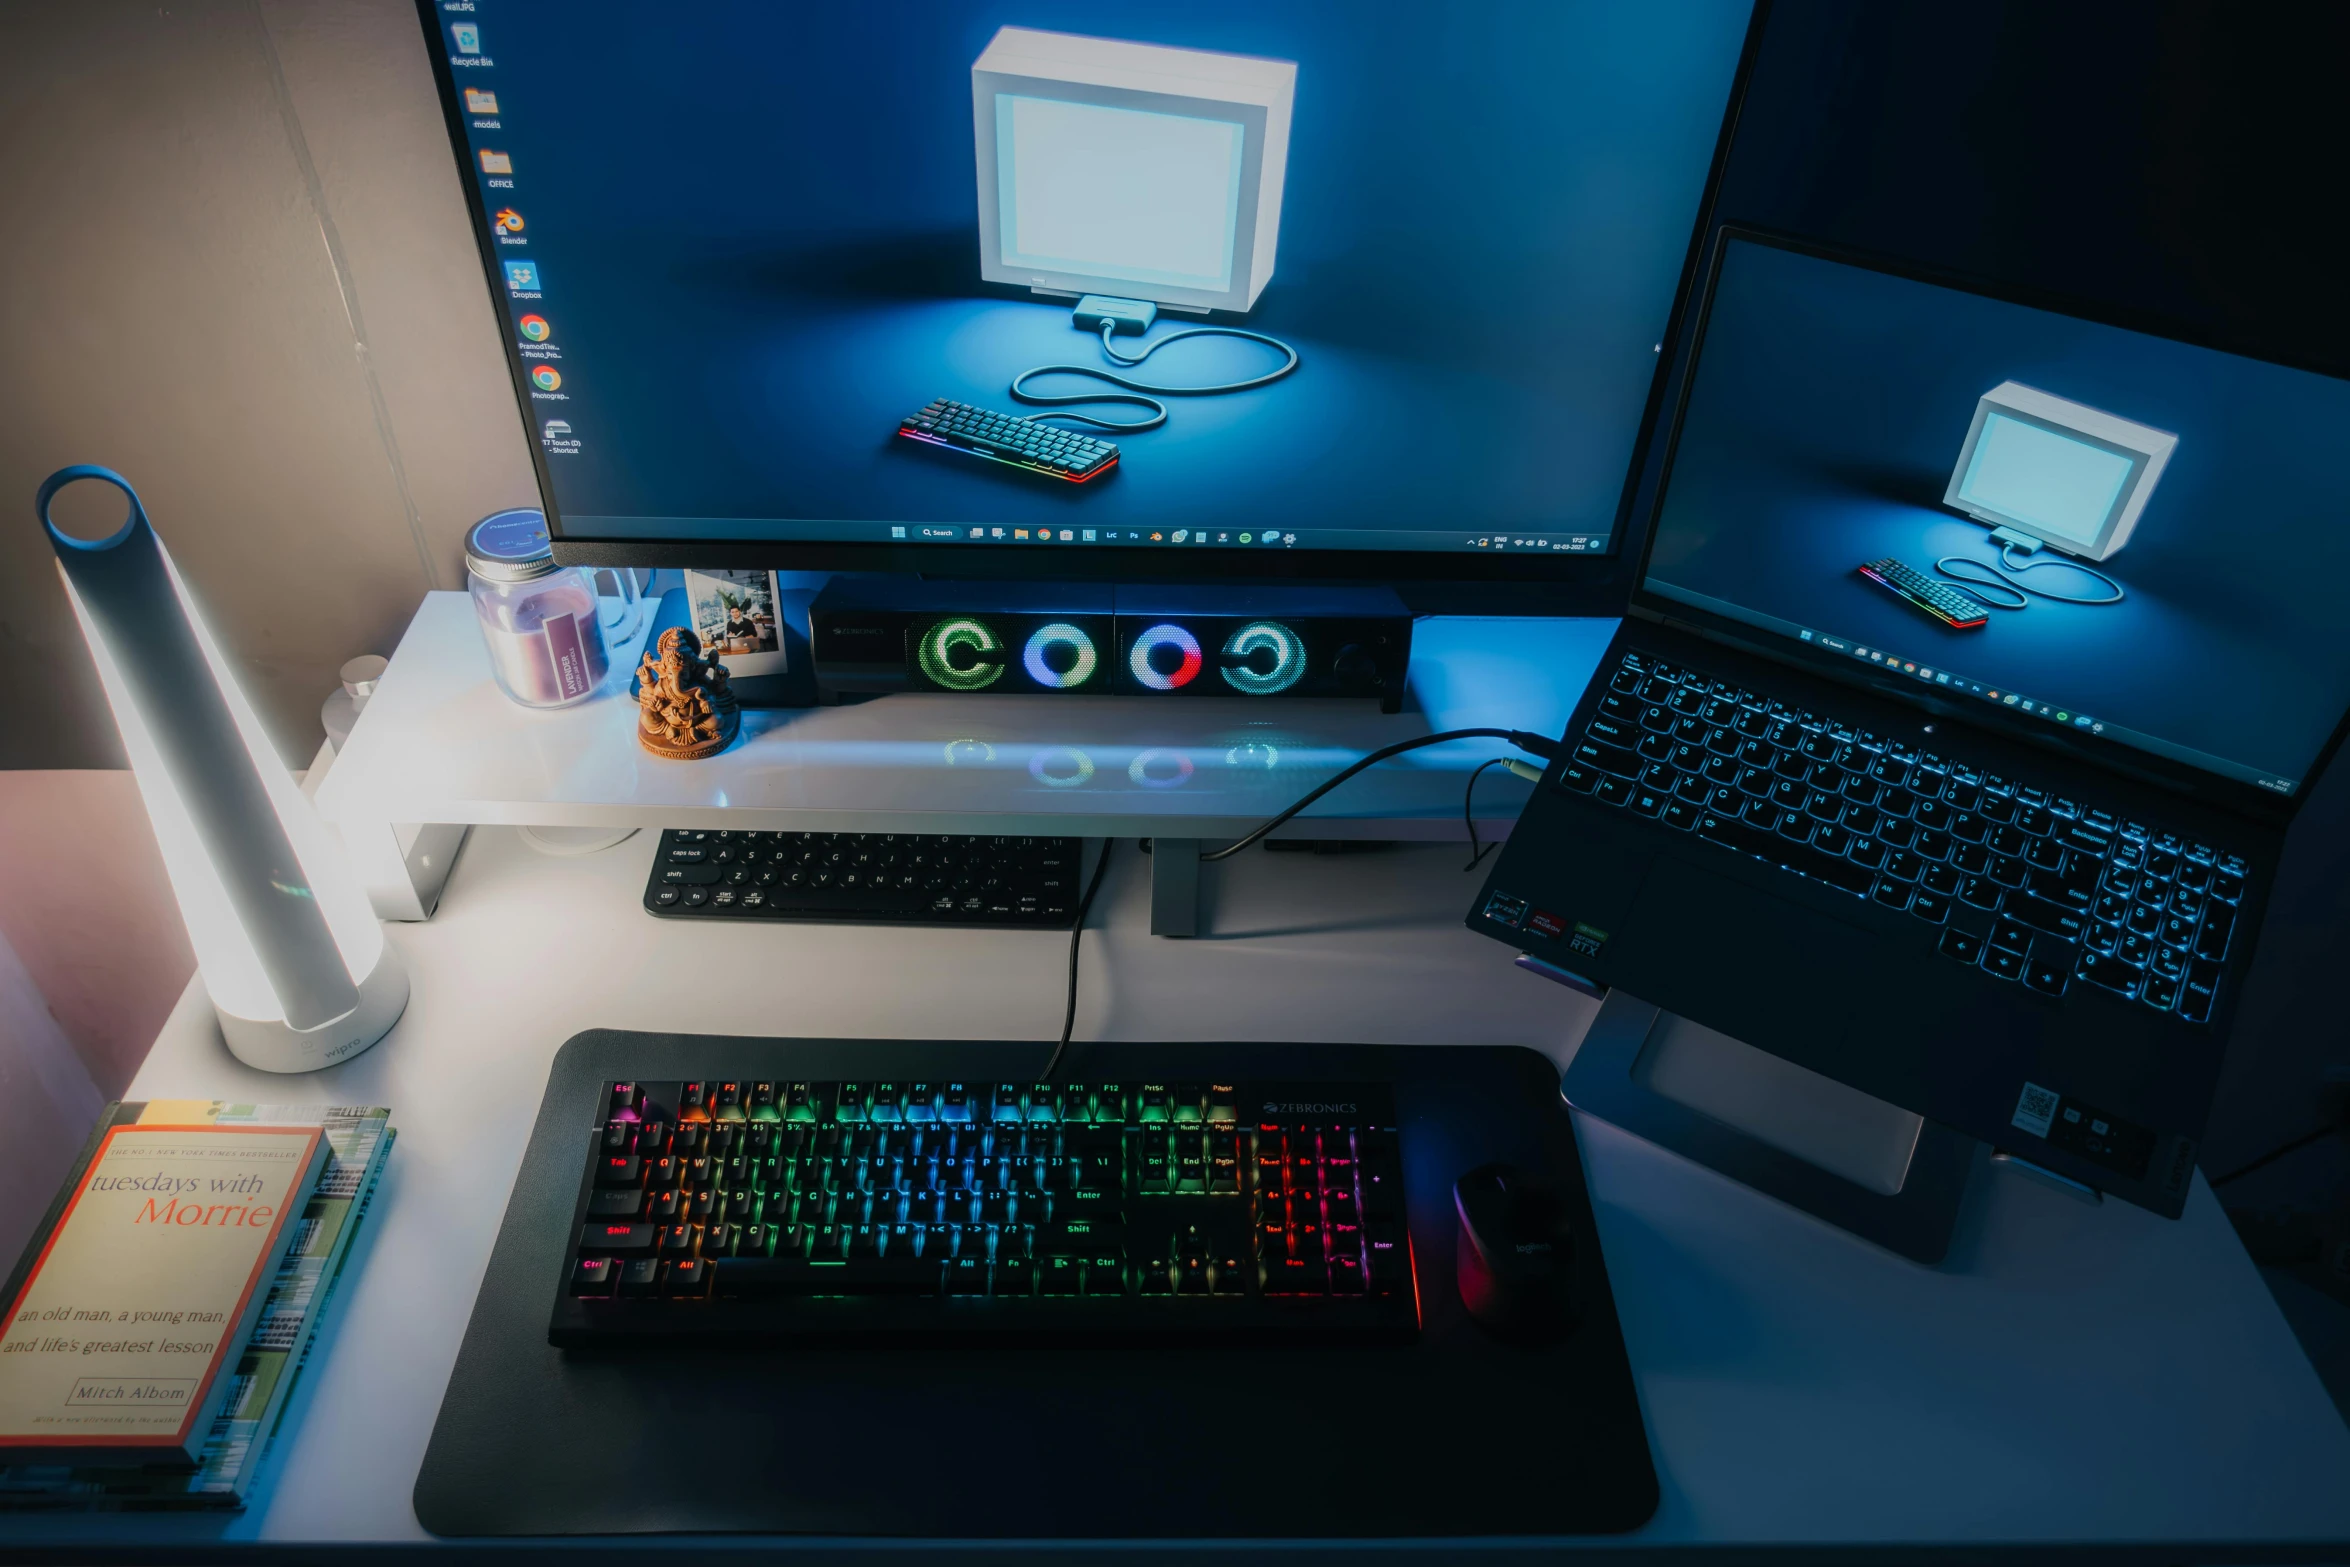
931 653
1062 767
1160 768
1289 658
1166 635
1061 632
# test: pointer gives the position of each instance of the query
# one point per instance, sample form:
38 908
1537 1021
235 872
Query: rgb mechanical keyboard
2028 886
1008 438
1921 592
1128 1211
882 878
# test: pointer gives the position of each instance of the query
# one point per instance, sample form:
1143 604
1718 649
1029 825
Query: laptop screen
2138 539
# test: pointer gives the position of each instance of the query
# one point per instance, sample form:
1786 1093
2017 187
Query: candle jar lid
510 546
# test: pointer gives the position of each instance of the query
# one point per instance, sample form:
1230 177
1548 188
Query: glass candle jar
539 620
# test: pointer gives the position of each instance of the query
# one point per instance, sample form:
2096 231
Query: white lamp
293 958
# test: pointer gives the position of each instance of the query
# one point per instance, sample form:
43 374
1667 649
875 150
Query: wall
239 271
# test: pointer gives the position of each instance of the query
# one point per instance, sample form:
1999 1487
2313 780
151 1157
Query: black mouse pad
1453 1435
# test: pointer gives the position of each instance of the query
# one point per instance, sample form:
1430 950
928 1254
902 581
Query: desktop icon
1066 535
555 429
1180 535
897 533
535 328
546 378
1289 538
508 221
979 533
496 162
1805 635
468 37
1088 535
995 533
1245 539
2009 699
522 277
479 102
1019 533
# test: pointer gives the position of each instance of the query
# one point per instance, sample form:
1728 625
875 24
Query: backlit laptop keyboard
2028 886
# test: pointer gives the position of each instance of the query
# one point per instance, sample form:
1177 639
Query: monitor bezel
1431 581
2230 794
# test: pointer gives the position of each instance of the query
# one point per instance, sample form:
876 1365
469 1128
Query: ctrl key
594 1275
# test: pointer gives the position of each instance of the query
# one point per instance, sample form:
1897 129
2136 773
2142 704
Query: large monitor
2103 537
1235 287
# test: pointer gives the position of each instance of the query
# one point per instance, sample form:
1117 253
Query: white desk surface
2073 1374
438 743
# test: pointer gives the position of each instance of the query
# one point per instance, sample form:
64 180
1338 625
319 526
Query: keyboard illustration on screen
1924 594
1008 438
1126 1212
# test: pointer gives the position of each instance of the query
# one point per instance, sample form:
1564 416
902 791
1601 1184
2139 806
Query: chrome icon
1165 657
956 654
1263 657
535 328
546 378
1059 656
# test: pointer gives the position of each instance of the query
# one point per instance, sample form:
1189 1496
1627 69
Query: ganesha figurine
684 709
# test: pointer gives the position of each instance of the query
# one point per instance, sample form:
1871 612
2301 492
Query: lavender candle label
572 674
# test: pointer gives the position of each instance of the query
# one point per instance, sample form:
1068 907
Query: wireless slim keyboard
2028 886
1136 1211
882 878
1008 438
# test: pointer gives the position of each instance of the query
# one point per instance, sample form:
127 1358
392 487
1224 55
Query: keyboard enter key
2054 919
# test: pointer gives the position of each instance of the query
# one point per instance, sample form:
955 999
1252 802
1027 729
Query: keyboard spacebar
1805 861
797 1276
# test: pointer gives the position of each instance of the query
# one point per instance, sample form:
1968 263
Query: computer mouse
1515 1254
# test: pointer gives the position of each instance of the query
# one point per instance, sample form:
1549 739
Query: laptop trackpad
1735 958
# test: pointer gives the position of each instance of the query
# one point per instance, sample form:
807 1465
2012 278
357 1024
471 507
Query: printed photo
734 613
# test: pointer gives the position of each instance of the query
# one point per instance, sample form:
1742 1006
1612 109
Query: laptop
1979 657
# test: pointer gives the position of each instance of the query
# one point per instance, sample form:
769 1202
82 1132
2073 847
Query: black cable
2002 578
1531 744
2274 1154
1158 409
1076 933
1470 793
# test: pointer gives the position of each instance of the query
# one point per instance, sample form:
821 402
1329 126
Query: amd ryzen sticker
1506 910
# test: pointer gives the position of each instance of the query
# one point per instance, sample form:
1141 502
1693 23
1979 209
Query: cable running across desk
1076 934
1132 396
1525 740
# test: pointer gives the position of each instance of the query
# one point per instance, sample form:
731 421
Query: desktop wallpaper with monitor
753 261
2129 537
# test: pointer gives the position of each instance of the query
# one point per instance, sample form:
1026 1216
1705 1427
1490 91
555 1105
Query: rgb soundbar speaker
876 635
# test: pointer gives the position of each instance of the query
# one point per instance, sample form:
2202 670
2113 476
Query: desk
2073 1374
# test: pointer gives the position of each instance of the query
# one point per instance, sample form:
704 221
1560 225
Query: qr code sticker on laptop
2036 1109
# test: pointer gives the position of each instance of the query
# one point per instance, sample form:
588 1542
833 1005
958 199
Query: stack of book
162 1314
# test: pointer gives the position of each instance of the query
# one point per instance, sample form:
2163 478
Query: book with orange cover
128 1309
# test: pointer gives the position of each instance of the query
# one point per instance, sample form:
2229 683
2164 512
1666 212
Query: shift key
616 1240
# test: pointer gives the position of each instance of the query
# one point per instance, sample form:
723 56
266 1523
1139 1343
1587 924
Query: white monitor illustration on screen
2042 470
1128 169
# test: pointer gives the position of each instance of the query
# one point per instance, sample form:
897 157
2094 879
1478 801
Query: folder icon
479 102
496 162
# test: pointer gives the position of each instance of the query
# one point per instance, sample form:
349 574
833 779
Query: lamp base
269 1045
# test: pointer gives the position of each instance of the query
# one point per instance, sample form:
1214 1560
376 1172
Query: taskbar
1944 679
1076 535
